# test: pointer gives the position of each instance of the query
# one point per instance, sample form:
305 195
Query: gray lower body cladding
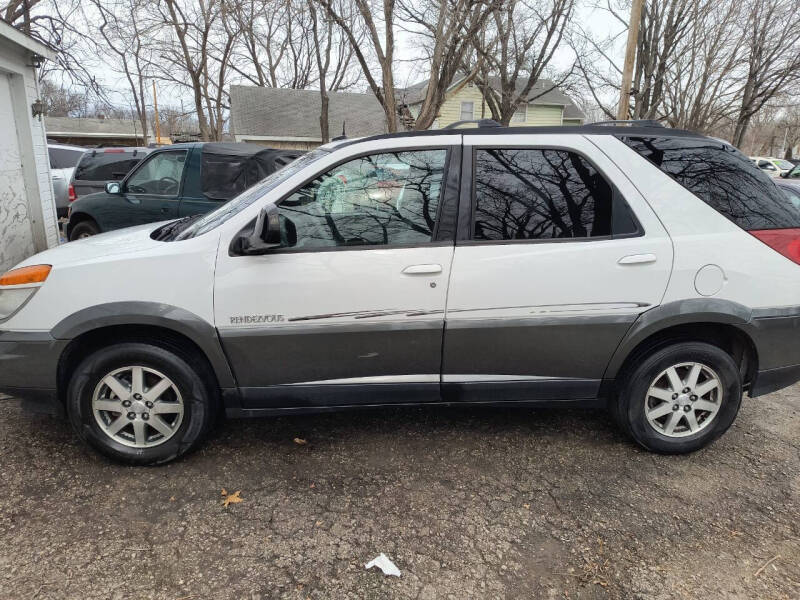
28 369
535 359
305 366
549 347
776 337
268 356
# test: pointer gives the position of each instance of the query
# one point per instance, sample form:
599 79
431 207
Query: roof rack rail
632 123
478 122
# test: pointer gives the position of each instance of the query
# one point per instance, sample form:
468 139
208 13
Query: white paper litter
384 564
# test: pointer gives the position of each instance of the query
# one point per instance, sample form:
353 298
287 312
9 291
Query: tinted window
223 177
64 158
543 194
793 194
382 199
160 174
723 178
106 166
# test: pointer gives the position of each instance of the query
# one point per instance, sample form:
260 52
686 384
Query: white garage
27 211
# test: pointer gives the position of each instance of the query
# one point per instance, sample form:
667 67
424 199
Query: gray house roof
541 93
74 127
294 114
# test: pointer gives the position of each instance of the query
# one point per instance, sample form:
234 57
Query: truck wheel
679 398
83 229
140 404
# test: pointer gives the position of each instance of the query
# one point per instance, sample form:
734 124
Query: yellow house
464 102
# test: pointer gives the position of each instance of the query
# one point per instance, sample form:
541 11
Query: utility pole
155 111
630 58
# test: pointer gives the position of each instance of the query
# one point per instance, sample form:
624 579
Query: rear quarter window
106 166
723 178
224 177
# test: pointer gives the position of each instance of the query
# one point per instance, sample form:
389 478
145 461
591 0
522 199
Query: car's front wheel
680 398
139 403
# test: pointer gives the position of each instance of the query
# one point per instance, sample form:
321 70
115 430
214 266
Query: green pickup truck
173 182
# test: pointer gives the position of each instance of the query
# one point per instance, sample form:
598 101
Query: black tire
83 229
199 401
628 406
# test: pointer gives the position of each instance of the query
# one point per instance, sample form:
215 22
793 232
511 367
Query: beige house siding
539 114
573 122
450 112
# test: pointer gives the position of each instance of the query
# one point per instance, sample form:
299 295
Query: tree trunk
324 126
742 123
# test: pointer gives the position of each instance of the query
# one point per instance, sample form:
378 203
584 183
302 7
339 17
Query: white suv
651 269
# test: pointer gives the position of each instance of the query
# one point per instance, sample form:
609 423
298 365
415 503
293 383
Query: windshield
784 165
226 211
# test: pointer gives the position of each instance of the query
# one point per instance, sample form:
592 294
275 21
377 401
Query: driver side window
376 200
159 175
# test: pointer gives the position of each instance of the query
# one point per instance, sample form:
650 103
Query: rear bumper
28 369
776 335
772 380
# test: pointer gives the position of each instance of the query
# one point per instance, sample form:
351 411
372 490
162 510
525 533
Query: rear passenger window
376 200
723 178
106 166
532 194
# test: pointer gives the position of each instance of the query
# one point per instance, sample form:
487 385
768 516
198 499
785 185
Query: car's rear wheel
83 230
680 398
139 403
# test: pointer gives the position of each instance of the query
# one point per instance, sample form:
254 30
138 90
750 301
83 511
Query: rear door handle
637 259
422 269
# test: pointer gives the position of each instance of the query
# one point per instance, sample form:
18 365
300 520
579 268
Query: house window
467 111
520 115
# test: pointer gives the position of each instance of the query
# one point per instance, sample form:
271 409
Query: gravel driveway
468 502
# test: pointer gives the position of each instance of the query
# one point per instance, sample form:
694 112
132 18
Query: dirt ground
468 502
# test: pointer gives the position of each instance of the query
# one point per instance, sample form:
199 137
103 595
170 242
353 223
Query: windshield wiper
168 232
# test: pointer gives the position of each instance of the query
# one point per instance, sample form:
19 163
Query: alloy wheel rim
137 406
683 399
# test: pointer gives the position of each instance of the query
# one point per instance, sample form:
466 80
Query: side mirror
784 174
265 236
113 187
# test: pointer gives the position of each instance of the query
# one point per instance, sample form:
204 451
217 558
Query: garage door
16 235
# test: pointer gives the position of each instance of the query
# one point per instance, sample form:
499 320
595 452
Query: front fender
155 314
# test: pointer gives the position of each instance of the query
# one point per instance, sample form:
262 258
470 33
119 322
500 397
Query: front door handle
422 269
637 259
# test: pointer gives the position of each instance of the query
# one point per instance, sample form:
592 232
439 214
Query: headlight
12 300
